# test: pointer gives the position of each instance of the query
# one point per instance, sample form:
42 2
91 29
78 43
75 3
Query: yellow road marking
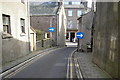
27 64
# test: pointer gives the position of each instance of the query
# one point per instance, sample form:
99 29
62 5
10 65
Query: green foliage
39 34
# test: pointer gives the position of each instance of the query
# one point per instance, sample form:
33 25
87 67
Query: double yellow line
11 72
73 61
69 74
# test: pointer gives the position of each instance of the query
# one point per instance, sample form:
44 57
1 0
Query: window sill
22 34
6 35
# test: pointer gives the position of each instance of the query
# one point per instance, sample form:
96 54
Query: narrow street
66 39
52 65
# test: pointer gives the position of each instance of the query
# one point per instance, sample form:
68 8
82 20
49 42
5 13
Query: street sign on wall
51 29
79 35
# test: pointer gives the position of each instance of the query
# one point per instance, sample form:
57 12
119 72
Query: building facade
52 15
73 10
106 37
85 26
14 30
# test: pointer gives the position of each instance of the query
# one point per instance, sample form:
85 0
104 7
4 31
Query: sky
89 3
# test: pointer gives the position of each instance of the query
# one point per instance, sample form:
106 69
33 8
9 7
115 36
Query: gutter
57 27
42 14
28 17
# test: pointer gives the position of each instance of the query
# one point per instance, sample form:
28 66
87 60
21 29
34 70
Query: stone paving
88 68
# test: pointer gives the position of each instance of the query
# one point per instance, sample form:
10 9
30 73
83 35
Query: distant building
49 14
14 30
73 10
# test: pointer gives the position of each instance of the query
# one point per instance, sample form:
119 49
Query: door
72 35
32 41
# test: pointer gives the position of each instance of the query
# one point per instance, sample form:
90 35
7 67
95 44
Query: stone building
85 23
106 37
73 9
14 30
49 14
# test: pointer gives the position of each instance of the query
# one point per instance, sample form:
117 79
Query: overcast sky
89 3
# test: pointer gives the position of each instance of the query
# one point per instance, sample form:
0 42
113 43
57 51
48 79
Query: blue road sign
79 35
51 29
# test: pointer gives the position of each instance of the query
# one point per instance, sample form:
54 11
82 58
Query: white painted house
14 29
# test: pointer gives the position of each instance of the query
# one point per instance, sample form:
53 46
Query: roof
45 8
84 14
32 29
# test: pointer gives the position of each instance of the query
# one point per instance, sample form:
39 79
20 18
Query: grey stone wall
45 43
42 22
13 49
85 26
105 53
62 31
119 40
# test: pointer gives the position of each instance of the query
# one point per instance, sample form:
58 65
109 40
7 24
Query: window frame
22 25
70 12
8 25
75 3
69 23
66 3
70 2
78 13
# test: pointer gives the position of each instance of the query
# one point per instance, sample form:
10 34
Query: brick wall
74 16
42 23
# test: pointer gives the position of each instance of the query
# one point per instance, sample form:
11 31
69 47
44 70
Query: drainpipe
0 52
28 17
57 27
58 13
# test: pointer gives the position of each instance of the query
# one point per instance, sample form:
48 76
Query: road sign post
51 29
79 36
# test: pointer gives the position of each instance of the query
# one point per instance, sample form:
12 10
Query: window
77 24
69 12
79 13
22 25
69 24
70 3
6 24
76 3
66 3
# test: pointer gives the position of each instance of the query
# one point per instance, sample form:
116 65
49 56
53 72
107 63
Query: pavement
52 65
88 68
71 44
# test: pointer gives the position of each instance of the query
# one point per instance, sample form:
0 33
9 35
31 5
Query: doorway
72 35
32 41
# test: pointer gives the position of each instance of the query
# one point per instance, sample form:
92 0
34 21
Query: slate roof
44 9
